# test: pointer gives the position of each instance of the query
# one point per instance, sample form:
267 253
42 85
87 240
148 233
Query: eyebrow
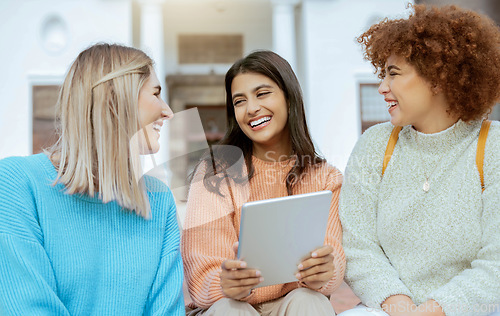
393 67
254 90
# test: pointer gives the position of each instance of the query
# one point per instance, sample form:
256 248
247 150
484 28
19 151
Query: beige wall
488 7
251 19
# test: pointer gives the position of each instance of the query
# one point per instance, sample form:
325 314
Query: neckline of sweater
441 141
273 164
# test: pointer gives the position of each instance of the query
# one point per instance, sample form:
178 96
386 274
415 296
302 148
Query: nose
253 107
166 113
383 88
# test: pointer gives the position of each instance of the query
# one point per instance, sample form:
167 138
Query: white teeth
260 121
157 127
392 103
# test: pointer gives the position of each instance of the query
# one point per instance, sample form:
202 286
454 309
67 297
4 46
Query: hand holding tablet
318 269
236 280
283 239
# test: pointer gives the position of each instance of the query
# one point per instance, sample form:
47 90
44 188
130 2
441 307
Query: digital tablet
277 234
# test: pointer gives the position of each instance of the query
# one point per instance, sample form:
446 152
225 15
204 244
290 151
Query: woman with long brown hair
266 123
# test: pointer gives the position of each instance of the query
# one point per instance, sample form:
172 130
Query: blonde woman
80 233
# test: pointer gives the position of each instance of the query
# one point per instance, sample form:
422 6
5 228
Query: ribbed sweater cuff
336 280
326 289
380 294
457 305
339 273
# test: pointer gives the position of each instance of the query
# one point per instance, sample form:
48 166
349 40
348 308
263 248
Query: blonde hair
97 111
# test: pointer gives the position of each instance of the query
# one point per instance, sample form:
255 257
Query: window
210 49
495 114
213 119
373 108
44 101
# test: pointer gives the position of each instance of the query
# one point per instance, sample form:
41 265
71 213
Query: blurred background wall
193 43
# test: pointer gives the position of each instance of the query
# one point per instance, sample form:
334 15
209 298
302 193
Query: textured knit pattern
67 254
443 244
213 221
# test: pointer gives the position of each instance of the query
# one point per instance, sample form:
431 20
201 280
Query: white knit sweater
443 244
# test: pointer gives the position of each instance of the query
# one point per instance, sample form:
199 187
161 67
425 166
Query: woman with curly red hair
421 198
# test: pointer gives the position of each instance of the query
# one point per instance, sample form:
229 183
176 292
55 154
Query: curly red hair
454 49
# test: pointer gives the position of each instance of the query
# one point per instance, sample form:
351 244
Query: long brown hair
276 68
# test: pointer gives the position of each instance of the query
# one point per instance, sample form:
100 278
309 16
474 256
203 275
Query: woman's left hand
318 269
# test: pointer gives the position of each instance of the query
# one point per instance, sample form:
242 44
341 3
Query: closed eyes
260 94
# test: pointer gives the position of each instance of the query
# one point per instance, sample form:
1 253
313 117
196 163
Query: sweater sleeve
369 272
476 291
166 295
27 282
333 235
208 236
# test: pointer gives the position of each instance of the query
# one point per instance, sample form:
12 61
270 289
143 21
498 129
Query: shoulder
154 184
327 169
492 147
18 192
162 201
19 169
158 188
12 176
327 174
376 137
368 153
371 146
493 140
29 164
11 163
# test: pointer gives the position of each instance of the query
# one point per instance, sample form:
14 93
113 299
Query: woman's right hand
237 281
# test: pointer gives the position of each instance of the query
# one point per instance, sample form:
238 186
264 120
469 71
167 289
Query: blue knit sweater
64 254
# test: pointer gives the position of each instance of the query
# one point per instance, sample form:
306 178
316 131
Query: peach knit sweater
212 227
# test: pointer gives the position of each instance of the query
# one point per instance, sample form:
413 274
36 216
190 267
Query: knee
227 306
307 294
307 297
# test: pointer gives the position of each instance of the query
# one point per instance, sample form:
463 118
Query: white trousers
362 310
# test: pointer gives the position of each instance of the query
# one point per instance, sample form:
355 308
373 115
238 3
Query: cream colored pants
299 302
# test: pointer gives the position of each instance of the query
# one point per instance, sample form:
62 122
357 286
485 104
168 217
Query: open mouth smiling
260 122
391 104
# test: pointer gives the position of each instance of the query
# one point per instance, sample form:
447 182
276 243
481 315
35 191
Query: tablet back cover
277 234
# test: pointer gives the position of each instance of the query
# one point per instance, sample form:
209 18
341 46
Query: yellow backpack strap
481 143
390 146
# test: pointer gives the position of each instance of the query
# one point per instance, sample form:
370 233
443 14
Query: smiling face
410 98
261 110
152 112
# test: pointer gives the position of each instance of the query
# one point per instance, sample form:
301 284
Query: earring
435 89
